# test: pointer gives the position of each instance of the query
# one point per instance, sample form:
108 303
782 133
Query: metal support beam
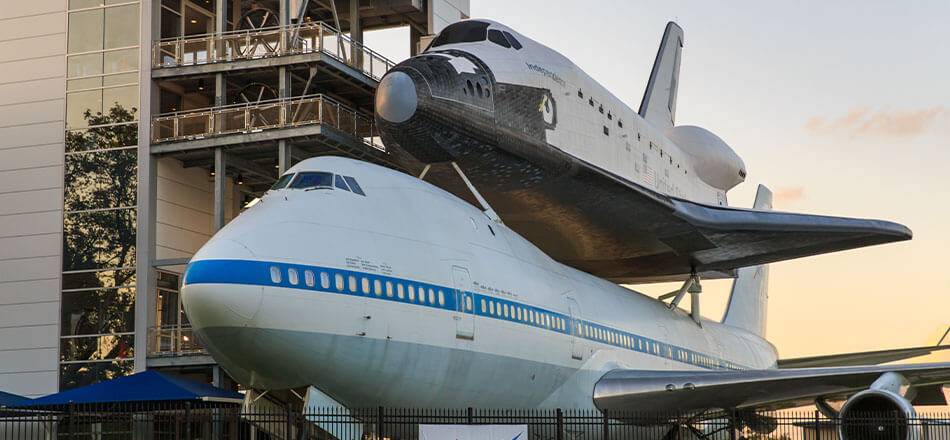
220 187
478 196
356 33
285 158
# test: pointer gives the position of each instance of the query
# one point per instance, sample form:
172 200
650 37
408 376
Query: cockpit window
354 186
313 179
514 41
340 183
282 182
468 31
495 36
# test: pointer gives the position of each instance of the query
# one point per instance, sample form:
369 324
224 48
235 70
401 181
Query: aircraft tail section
659 101
748 303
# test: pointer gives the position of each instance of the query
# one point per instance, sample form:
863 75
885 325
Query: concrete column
146 194
356 33
220 26
284 156
220 187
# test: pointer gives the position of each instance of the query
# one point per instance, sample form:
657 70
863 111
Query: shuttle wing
667 237
633 390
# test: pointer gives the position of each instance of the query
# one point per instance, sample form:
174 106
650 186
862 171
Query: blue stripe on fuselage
383 287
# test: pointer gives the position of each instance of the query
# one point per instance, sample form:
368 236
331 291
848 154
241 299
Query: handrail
173 340
264 115
268 42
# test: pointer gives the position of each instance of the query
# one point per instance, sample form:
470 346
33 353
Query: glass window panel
84 84
122 97
121 26
171 23
168 280
174 4
108 278
97 138
85 31
91 312
96 348
101 179
81 374
84 65
80 4
81 107
122 79
99 239
121 60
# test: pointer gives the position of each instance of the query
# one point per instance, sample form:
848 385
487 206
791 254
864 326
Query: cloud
788 195
862 121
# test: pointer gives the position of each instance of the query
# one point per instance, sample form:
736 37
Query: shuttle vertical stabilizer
659 100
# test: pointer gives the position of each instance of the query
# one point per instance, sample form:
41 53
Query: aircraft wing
860 358
639 390
673 235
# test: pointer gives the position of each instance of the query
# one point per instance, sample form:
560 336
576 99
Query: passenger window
495 36
377 287
338 280
313 179
340 183
422 295
514 41
292 276
389 289
431 296
324 280
274 274
441 298
352 282
282 182
484 307
412 293
355 187
365 285
506 310
491 307
309 278
468 303
399 291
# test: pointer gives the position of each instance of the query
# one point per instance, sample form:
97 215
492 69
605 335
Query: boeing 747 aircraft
624 195
378 288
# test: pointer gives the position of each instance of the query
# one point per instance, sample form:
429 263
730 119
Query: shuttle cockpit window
495 36
514 41
313 180
468 31
282 182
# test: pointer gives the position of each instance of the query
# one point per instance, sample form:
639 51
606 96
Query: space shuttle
625 195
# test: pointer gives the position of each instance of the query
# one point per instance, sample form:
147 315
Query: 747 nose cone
396 98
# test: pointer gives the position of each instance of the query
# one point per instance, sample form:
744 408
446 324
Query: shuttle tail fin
748 303
659 101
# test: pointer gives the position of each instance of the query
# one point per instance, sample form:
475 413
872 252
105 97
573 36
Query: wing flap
659 391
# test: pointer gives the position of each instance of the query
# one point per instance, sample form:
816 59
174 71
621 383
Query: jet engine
714 161
881 412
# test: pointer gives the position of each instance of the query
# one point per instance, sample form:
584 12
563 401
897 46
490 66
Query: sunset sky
842 108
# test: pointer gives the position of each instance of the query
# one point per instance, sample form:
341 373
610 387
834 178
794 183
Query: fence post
379 422
817 425
559 424
290 421
188 420
470 412
70 410
733 424
606 423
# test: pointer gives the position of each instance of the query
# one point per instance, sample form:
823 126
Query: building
131 130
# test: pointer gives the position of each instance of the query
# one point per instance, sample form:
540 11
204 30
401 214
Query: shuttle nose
396 98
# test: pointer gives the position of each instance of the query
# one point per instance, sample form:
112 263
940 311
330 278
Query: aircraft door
577 342
464 304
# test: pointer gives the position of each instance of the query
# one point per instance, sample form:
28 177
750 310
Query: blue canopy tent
140 388
9 400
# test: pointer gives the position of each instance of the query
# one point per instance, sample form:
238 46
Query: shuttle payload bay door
464 304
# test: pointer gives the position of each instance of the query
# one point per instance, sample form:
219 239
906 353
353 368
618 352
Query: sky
841 108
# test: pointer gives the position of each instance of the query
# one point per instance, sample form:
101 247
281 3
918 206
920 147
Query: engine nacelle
714 161
881 412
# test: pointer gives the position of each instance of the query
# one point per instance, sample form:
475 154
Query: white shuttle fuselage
390 291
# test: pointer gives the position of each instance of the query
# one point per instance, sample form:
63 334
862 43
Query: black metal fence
205 421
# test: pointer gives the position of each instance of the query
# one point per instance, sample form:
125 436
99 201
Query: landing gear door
577 341
464 304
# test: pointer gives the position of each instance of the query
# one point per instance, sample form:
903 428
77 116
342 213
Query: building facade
131 130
